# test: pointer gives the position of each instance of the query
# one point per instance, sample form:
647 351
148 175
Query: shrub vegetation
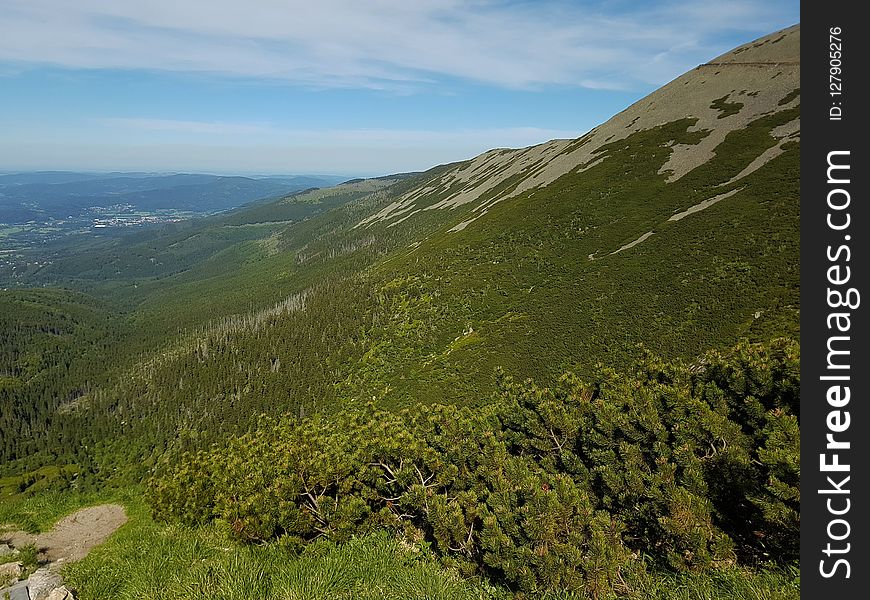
690 467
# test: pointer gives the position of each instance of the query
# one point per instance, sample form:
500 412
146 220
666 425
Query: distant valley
40 209
33 206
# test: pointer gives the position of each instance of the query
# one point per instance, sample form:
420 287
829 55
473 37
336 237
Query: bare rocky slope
724 95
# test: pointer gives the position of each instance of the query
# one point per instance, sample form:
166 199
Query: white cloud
390 44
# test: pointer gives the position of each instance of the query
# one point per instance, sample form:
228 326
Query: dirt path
73 536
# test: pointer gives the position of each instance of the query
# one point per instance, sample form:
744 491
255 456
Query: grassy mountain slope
535 245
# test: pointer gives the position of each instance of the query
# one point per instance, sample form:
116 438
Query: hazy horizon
165 172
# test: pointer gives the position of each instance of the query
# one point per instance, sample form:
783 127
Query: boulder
6 550
16 592
9 571
42 582
60 593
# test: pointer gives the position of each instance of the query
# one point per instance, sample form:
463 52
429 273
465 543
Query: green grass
152 560
35 481
730 584
41 511
145 559
11 230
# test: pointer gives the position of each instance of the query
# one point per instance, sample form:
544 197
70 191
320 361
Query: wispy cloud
386 44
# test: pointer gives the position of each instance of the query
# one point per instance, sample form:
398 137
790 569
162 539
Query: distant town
23 245
23 235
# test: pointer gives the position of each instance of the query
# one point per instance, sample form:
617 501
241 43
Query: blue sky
335 86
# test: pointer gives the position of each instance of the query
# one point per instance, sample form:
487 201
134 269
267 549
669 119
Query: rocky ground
70 540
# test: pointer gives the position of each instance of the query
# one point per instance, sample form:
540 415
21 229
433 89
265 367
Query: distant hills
59 195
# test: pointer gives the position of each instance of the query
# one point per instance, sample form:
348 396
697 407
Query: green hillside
352 325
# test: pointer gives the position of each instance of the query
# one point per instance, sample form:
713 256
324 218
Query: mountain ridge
541 164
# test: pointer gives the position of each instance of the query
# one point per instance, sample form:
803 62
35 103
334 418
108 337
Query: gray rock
6 550
16 592
42 582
